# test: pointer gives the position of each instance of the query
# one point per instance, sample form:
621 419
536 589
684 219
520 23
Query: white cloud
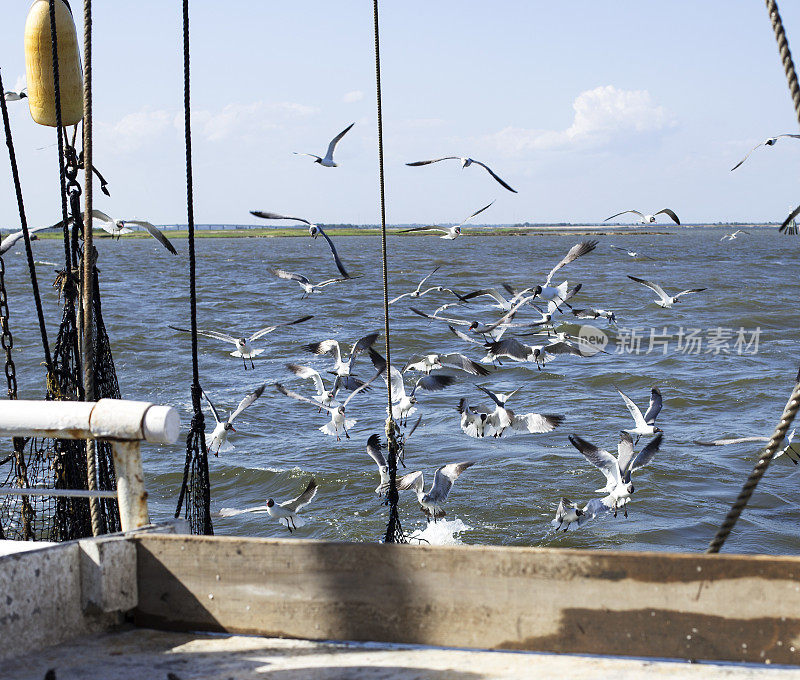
601 115
352 97
244 120
134 130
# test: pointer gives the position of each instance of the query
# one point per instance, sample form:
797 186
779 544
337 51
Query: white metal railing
124 423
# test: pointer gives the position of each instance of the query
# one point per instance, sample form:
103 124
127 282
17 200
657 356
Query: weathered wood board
714 607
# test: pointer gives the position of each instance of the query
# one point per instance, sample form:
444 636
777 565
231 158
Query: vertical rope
793 405
393 531
25 234
87 278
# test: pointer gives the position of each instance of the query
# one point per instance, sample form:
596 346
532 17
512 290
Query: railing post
131 493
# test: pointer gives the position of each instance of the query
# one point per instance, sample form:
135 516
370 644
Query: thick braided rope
392 494
792 406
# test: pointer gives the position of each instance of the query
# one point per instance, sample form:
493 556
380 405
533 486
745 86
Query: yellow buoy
39 65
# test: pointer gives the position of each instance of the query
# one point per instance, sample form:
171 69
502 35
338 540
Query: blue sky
587 108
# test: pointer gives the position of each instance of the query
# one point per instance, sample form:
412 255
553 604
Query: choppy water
511 493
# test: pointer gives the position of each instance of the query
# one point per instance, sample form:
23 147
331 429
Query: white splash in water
442 532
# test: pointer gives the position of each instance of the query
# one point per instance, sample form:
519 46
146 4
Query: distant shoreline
268 232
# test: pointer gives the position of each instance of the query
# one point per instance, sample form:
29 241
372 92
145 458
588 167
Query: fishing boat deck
138 653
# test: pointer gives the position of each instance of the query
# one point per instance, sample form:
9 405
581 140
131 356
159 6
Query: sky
586 108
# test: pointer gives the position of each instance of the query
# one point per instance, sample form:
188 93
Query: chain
6 340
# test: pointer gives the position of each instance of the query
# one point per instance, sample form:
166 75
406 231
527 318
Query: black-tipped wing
625 452
477 212
462 363
492 395
295 395
155 233
578 250
289 276
269 329
653 409
646 454
211 405
598 457
336 140
247 401
276 216
434 160
495 176
667 211
303 499
444 479
636 212
433 383
336 259
374 450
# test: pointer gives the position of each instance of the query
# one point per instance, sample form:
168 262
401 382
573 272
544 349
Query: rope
26 235
196 452
394 533
792 406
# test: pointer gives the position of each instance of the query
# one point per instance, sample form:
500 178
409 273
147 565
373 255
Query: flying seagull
374 451
770 141
432 502
9 241
502 418
474 421
324 396
465 163
539 354
632 253
664 300
314 230
644 424
305 284
647 219
218 437
733 235
450 233
243 347
287 511
418 292
327 162
431 362
569 513
618 470
117 228
592 313
342 368
338 421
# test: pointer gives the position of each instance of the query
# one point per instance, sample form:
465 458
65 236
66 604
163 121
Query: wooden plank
714 607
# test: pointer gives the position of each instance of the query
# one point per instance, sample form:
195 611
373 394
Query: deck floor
141 654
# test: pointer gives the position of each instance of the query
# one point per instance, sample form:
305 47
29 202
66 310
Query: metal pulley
39 65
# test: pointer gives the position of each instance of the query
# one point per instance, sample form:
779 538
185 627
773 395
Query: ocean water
725 360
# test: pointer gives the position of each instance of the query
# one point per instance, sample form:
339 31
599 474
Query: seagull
287 511
431 502
474 326
12 96
324 397
519 351
305 284
450 233
664 300
560 293
570 513
119 227
474 421
402 403
618 470
219 435
243 347
343 368
338 421
791 450
595 314
327 162
418 292
732 236
770 141
374 452
9 241
632 253
644 424
647 219
503 418
465 163
314 230
432 362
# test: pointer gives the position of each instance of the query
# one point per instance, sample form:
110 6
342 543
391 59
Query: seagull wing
536 423
624 452
399 297
636 212
335 141
308 373
457 322
654 408
646 454
435 160
747 156
510 347
462 335
100 215
492 396
578 250
328 282
212 334
289 276
310 155
691 290
444 479
598 457
374 450
638 418
671 213
563 348
725 442
360 387
406 231
276 216
477 212
303 499
336 259
433 383
249 399
325 347
299 397
413 480
422 283
155 233
652 286
211 405
494 175
459 361
269 329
